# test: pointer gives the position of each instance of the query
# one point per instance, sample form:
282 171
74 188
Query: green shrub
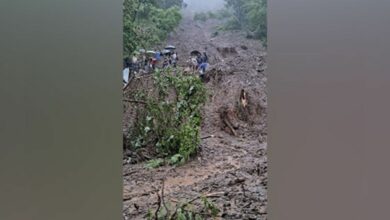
171 125
154 163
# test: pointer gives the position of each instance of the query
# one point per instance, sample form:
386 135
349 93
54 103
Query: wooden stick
134 101
230 126
210 195
124 88
206 137
158 208
162 195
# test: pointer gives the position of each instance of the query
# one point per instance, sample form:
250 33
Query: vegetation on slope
148 22
249 15
246 15
169 122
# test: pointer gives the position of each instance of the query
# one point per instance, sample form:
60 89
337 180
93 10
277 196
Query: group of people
148 63
199 63
170 60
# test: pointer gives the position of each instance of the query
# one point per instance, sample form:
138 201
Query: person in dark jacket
157 56
126 62
166 62
203 67
205 58
199 60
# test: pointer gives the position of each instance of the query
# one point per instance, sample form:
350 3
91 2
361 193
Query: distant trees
170 3
248 15
201 16
148 22
257 17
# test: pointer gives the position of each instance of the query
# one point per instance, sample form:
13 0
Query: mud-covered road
233 162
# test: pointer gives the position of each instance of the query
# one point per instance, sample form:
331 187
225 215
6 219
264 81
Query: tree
148 22
239 12
257 17
165 4
248 15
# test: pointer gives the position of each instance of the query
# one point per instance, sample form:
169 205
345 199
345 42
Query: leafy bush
170 120
154 163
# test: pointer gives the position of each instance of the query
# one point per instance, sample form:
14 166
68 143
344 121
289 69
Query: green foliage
248 15
170 121
257 18
204 16
239 14
223 13
169 3
149 215
211 15
232 23
200 16
148 22
210 207
154 163
186 211
176 159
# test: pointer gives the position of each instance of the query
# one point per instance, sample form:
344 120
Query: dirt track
235 165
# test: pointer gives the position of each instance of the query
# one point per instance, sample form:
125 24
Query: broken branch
230 126
158 207
134 101
206 137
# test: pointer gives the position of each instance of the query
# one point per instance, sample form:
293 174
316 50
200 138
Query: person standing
126 62
194 63
165 63
134 61
157 56
126 75
199 60
145 62
205 58
174 59
151 64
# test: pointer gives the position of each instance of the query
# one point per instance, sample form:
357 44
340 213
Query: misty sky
204 5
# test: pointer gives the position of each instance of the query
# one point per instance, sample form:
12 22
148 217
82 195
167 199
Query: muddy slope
234 161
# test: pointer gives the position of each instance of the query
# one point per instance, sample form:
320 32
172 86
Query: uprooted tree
167 117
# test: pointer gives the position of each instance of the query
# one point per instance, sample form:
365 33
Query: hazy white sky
204 5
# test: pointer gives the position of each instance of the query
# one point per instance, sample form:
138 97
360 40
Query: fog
204 5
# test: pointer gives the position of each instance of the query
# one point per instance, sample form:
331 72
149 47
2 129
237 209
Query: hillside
232 162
